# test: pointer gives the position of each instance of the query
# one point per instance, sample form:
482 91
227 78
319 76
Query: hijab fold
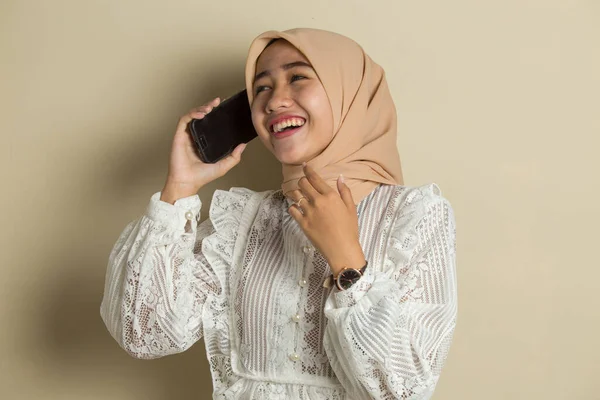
363 147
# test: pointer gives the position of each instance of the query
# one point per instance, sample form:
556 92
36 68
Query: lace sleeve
388 335
161 271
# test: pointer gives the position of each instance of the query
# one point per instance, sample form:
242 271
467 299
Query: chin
289 153
290 158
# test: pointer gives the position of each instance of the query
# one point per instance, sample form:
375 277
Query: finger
307 189
198 112
210 105
186 119
205 109
237 152
227 163
345 193
183 123
295 195
295 212
315 180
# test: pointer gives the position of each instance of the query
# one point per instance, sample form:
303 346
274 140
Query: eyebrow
283 67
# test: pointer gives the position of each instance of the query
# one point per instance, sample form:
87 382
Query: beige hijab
363 148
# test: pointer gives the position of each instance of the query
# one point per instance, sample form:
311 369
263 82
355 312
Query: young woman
339 285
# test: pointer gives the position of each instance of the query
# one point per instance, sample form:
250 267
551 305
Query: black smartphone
223 129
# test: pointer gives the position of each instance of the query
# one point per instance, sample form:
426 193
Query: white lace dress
249 282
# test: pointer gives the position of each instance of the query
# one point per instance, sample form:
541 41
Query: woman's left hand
328 218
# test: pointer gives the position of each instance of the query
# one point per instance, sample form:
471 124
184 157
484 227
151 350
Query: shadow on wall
80 346
70 332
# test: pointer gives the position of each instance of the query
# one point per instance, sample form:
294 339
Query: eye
297 78
260 89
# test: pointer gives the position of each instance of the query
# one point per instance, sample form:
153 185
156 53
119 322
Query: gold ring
298 202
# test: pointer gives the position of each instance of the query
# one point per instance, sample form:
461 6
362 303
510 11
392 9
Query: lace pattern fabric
248 280
400 321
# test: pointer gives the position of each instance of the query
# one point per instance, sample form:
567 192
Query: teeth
287 123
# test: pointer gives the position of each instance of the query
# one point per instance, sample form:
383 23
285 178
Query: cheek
258 120
258 117
320 109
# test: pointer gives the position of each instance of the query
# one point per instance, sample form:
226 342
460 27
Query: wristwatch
345 278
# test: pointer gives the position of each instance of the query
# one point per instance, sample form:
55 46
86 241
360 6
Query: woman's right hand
187 172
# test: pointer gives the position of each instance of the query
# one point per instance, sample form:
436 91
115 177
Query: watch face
347 278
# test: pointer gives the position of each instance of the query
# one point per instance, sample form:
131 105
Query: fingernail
341 178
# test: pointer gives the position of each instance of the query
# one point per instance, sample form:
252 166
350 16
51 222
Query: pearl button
306 249
189 215
296 318
302 282
294 357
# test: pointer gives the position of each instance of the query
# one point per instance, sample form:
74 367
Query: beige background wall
498 103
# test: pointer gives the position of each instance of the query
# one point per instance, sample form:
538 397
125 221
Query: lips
286 133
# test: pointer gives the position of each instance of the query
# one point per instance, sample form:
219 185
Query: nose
280 98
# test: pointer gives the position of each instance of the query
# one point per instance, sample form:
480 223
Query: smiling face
290 111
